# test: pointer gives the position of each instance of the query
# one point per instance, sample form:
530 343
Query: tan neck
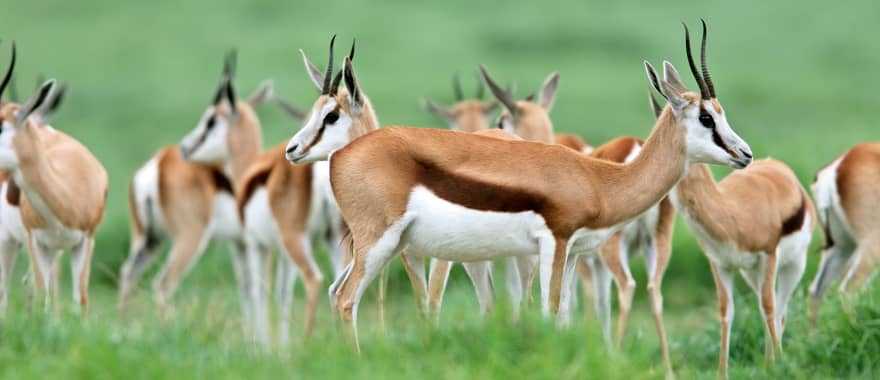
628 190
245 142
698 193
366 121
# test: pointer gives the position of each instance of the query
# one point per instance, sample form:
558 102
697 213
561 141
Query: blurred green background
797 80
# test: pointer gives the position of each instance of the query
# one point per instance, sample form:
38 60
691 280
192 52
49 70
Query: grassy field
798 81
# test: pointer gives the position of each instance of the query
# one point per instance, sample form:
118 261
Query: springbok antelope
284 207
757 222
343 113
63 188
846 200
468 115
13 235
466 197
173 197
650 233
526 119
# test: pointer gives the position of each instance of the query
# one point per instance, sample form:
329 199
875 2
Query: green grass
798 81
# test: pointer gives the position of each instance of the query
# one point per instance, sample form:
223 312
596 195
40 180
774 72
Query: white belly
11 226
449 231
259 223
224 221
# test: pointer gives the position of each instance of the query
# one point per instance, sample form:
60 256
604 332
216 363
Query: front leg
552 264
80 268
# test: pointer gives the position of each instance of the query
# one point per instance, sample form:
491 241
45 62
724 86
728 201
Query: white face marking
8 157
207 143
320 136
703 141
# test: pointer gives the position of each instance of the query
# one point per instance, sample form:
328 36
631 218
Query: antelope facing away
63 192
524 118
757 221
846 197
13 235
467 197
172 197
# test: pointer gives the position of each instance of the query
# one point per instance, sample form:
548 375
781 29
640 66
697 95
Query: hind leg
238 254
602 301
8 252
480 274
437 286
865 261
372 252
285 280
615 256
415 270
832 266
142 253
788 278
80 268
298 248
185 251
42 261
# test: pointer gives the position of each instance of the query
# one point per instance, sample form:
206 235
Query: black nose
745 153
292 148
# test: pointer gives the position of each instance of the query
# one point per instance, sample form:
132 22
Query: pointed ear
295 112
438 110
351 84
652 77
672 87
548 91
53 101
315 75
264 93
34 103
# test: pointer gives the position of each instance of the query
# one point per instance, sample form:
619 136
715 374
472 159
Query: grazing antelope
63 192
13 235
846 197
650 233
525 119
466 197
757 221
174 197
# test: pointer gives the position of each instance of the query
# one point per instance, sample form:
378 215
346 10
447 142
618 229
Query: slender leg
41 266
866 258
8 252
383 290
527 265
768 304
415 270
142 253
285 279
514 286
567 296
298 248
788 278
238 253
80 268
602 300
549 272
831 268
724 291
615 256
256 257
586 276
439 275
658 252
480 274
186 250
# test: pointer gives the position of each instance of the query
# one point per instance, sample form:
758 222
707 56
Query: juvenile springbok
525 118
467 197
63 188
173 197
650 233
757 221
847 198
13 235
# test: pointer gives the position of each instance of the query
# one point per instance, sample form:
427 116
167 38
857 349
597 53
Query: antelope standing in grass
467 197
847 198
13 235
283 207
757 221
526 119
63 192
173 197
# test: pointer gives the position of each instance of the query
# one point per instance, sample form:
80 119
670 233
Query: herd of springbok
548 204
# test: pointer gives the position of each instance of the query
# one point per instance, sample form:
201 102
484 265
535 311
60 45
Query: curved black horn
351 53
456 88
328 74
8 76
481 88
230 63
504 96
704 91
706 77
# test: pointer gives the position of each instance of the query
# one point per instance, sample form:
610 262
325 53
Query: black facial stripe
716 138
316 139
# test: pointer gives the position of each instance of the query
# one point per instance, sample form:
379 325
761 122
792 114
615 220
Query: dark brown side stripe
221 182
472 193
250 187
796 221
13 193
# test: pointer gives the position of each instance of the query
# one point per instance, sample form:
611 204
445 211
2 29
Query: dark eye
211 121
707 120
500 123
331 117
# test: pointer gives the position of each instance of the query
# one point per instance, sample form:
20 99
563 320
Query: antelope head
17 140
710 138
469 115
529 118
338 116
227 124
